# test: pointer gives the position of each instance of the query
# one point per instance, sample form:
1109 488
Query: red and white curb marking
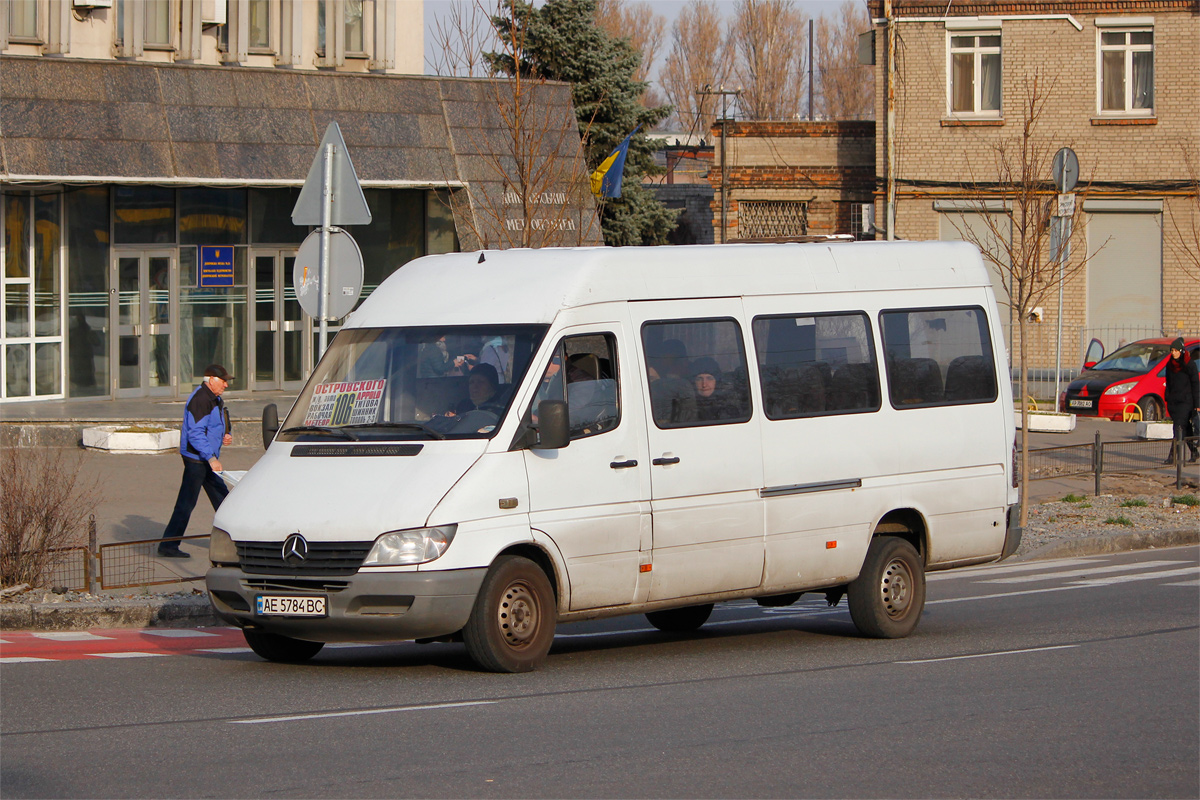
17 647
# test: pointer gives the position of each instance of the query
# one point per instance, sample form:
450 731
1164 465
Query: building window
975 74
260 24
1127 71
22 19
158 23
759 219
31 328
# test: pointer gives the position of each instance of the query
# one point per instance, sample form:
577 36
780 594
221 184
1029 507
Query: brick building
1123 82
789 179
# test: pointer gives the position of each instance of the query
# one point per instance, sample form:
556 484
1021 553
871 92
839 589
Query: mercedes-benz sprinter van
499 441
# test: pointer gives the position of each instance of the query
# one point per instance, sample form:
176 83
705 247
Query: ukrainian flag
606 180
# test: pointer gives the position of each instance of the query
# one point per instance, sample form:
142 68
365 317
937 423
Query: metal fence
1112 458
119 565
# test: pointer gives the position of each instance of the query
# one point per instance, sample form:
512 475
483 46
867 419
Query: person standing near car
1183 399
205 430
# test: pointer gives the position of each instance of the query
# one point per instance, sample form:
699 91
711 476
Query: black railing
1113 458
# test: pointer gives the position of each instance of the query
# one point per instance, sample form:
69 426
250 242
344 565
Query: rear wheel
1151 409
887 597
285 649
680 620
511 626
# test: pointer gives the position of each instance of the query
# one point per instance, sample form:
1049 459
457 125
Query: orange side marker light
831 545
645 567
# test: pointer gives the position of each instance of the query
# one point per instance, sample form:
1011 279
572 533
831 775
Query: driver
482 385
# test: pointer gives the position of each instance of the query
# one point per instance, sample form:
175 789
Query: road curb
1113 543
151 612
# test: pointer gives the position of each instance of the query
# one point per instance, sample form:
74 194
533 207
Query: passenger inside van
672 396
713 400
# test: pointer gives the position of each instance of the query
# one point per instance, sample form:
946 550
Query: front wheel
887 597
511 626
284 649
680 620
1151 410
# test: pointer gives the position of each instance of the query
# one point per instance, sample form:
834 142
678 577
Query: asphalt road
1070 678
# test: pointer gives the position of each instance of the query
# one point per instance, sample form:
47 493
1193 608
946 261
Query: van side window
938 357
583 371
697 372
816 365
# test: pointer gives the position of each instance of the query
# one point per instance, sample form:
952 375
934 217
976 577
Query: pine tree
562 42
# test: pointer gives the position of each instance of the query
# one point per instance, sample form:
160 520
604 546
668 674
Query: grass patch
1072 498
1121 520
141 429
1137 502
1186 500
1085 505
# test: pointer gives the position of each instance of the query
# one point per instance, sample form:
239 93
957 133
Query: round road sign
345 274
1065 169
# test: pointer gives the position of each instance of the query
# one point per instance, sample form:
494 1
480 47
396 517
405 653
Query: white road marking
1109 581
1186 584
363 713
21 659
1085 572
1170 573
989 655
71 636
127 655
223 650
178 633
978 572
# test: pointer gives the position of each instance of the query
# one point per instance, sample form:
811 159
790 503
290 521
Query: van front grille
324 558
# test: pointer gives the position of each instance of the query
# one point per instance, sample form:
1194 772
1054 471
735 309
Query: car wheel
680 620
887 597
511 626
1151 410
283 649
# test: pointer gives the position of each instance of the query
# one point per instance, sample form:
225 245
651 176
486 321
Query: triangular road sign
349 203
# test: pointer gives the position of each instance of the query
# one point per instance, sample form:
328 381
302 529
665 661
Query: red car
1135 373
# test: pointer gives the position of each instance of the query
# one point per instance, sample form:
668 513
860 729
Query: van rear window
938 357
815 365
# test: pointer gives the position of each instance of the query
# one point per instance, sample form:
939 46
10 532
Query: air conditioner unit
214 12
93 4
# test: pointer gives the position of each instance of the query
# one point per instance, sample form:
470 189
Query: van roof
532 286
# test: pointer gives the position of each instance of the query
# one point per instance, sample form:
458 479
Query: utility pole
891 119
725 94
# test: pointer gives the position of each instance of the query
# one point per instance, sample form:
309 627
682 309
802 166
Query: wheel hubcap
518 615
897 586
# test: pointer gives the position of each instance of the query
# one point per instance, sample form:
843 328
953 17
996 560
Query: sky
667 8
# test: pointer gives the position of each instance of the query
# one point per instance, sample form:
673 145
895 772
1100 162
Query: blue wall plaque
215 267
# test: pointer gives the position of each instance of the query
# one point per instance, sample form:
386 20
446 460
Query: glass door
278 326
144 329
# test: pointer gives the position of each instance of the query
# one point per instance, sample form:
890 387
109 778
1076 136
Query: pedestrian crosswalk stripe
127 655
177 633
1004 569
1083 572
71 636
21 659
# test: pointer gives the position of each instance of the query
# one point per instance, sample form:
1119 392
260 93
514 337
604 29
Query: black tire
887 597
283 649
680 620
511 626
1151 408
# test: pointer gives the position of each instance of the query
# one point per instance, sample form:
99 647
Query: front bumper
367 606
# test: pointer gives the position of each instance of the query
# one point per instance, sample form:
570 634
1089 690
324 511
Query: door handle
664 462
632 462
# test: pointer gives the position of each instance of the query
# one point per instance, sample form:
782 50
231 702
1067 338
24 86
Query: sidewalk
138 493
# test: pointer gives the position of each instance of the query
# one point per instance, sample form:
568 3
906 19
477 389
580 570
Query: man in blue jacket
205 430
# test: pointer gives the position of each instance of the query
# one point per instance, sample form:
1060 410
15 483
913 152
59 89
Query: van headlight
415 546
1121 388
221 549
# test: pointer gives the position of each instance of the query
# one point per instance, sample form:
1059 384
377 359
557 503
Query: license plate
283 605
1080 403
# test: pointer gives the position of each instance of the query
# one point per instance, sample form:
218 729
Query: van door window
938 357
816 365
697 372
583 372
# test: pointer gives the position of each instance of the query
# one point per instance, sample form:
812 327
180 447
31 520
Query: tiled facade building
1123 84
134 133
791 179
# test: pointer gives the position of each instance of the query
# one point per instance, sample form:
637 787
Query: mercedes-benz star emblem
295 550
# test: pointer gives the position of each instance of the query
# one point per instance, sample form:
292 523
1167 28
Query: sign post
331 196
1066 173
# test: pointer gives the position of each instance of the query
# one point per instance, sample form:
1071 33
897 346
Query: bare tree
638 23
846 88
1018 242
700 56
768 37
525 169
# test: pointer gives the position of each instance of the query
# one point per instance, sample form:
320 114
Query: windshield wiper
413 425
339 432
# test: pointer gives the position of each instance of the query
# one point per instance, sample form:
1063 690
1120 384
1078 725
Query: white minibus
496 442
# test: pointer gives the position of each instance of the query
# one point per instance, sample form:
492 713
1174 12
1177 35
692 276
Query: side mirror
553 428
270 424
1089 364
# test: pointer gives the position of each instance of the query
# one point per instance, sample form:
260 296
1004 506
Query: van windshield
387 384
